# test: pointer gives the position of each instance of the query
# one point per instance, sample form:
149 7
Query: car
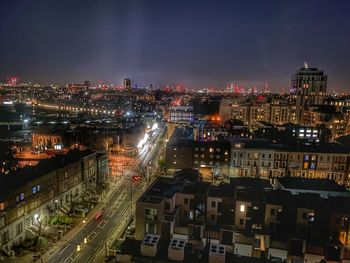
136 178
98 214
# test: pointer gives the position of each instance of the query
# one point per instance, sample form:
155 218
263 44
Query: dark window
212 217
241 221
337 220
272 212
304 215
213 204
219 207
185 201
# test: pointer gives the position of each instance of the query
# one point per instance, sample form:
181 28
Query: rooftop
311 184
181 136
20 177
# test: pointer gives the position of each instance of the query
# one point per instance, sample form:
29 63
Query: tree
162 164
40 224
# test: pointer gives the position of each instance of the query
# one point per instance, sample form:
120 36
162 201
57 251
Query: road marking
102 224
94 234
69 258
117 204
64 249
74 257
111 213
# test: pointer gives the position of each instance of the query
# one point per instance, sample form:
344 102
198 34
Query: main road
83 246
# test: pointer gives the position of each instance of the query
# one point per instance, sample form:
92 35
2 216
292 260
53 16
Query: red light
136 178
98 215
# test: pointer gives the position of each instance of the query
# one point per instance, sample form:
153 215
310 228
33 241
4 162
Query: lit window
21 197
242 208
34 189
2 206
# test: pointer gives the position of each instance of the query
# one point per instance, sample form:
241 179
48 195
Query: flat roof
311 184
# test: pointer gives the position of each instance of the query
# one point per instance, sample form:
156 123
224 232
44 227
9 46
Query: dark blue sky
198 43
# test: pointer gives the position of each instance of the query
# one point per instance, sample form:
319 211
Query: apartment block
249 217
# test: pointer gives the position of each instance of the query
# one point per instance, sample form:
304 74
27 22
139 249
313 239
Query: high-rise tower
127 84
309 86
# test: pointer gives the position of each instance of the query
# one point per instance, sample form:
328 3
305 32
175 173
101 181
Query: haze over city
194 43
174 131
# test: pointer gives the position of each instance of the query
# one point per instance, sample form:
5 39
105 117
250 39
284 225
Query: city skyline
170 42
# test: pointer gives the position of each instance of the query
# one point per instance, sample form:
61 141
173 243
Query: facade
259 158
212 155
249 218
179 149
276 111
127 84
328 117
310 88
31 195
47 141
181 114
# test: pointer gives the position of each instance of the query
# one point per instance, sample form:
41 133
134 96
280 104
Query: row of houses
254 157
31 195
279 111
286 219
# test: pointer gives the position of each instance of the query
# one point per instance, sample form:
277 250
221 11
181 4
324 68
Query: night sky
196 43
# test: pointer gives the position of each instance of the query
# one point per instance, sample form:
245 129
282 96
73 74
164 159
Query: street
93 234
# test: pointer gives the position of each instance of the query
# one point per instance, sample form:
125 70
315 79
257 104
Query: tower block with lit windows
127 84
309 86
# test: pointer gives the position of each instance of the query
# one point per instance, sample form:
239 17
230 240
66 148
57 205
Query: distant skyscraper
87 84
127 84
309 85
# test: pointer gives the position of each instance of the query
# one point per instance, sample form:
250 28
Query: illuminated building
309 86
34 194
127 84
288 219
181 114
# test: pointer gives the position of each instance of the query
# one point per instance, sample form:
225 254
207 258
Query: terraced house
31 195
